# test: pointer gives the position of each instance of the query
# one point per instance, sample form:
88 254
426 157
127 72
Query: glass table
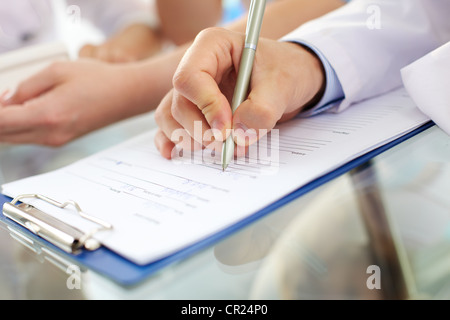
380 231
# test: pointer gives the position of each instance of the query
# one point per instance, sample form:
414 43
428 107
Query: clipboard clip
60 234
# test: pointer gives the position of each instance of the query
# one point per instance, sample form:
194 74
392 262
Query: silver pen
254 22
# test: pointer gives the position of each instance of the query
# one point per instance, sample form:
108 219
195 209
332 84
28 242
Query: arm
283 16
193 15
196 15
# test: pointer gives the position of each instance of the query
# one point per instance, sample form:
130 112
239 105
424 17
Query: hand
286 78
134 43
67 100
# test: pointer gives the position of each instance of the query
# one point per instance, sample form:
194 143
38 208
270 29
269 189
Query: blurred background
76 23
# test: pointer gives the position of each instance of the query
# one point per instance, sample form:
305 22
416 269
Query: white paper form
158 207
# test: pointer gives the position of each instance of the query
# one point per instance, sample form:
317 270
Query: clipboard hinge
57 232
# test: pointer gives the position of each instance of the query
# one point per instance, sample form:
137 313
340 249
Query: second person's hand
67 100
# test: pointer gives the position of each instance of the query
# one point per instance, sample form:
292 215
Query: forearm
280 17
149 80
284 16
192 15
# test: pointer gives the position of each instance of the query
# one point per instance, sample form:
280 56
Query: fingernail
6 96
243 136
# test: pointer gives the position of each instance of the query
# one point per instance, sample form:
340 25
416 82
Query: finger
240 151
38 121
253 120
188 116
34 86
173 131
37 135
29 137
5 96
21 125
163 118
87 51
17 119
198 75
163 144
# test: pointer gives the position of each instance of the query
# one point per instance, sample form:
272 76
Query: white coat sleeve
110 16
426 81
368 42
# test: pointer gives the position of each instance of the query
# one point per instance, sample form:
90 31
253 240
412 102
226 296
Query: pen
254 22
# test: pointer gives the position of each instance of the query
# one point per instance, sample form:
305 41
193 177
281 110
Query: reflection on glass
320 251
35 271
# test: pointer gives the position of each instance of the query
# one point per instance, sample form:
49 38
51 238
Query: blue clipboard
126 273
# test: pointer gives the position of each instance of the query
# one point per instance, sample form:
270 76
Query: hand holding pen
285 77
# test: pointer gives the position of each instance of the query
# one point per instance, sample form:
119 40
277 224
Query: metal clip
60 234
